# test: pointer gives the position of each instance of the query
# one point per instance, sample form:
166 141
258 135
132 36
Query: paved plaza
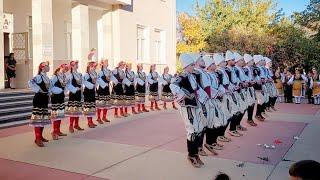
152 146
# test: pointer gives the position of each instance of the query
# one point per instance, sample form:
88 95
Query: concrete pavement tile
13 170
307 109
74 155
148 131
281 171
167 165
300 152
14 131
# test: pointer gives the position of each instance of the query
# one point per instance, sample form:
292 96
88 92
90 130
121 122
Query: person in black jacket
11 70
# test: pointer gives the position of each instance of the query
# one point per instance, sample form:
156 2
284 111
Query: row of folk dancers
93 94
297 85
215 91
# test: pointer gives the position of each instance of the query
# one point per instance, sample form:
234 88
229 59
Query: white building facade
136 31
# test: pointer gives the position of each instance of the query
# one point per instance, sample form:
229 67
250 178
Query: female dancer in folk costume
298 81
215 115
40 84
185 90
315 85
166 94
103 100
140 92
74 106
243 84
89 93
251 95
129 82
153 84
59 82
239 109
118 91
259 77
272 90
279 79
228 104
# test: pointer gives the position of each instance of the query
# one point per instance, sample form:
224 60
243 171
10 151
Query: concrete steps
15 107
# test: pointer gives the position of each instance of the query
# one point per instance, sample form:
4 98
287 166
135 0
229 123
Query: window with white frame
143 44
140 43
159 45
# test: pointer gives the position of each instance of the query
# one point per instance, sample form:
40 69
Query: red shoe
44 140
61 134
71 130
78 128
105 119
145 110
99 121
55 136
39 143
91 126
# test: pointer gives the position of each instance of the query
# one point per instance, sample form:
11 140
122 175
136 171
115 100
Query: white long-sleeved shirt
33 83
141 78
152 77
86 82
109 76
69 86
242 75
293 78
56 89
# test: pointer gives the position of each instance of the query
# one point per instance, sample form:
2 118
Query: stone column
2 70
42 28
80 35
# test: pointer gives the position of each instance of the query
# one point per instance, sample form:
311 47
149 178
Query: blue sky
288 6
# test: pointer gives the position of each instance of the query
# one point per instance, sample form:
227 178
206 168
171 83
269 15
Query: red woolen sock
76 121
71 122
90 120
126 110
41 129
115 111
152 104
121 110
59 126
99 113
55 126
37 133
139 107
105 111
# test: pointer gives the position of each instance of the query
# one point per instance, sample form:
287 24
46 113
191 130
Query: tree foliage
252 26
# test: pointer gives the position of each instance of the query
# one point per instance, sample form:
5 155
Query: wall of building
21 10
94 15
153 14
61 10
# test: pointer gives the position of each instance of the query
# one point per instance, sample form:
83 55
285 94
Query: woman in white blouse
40 84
